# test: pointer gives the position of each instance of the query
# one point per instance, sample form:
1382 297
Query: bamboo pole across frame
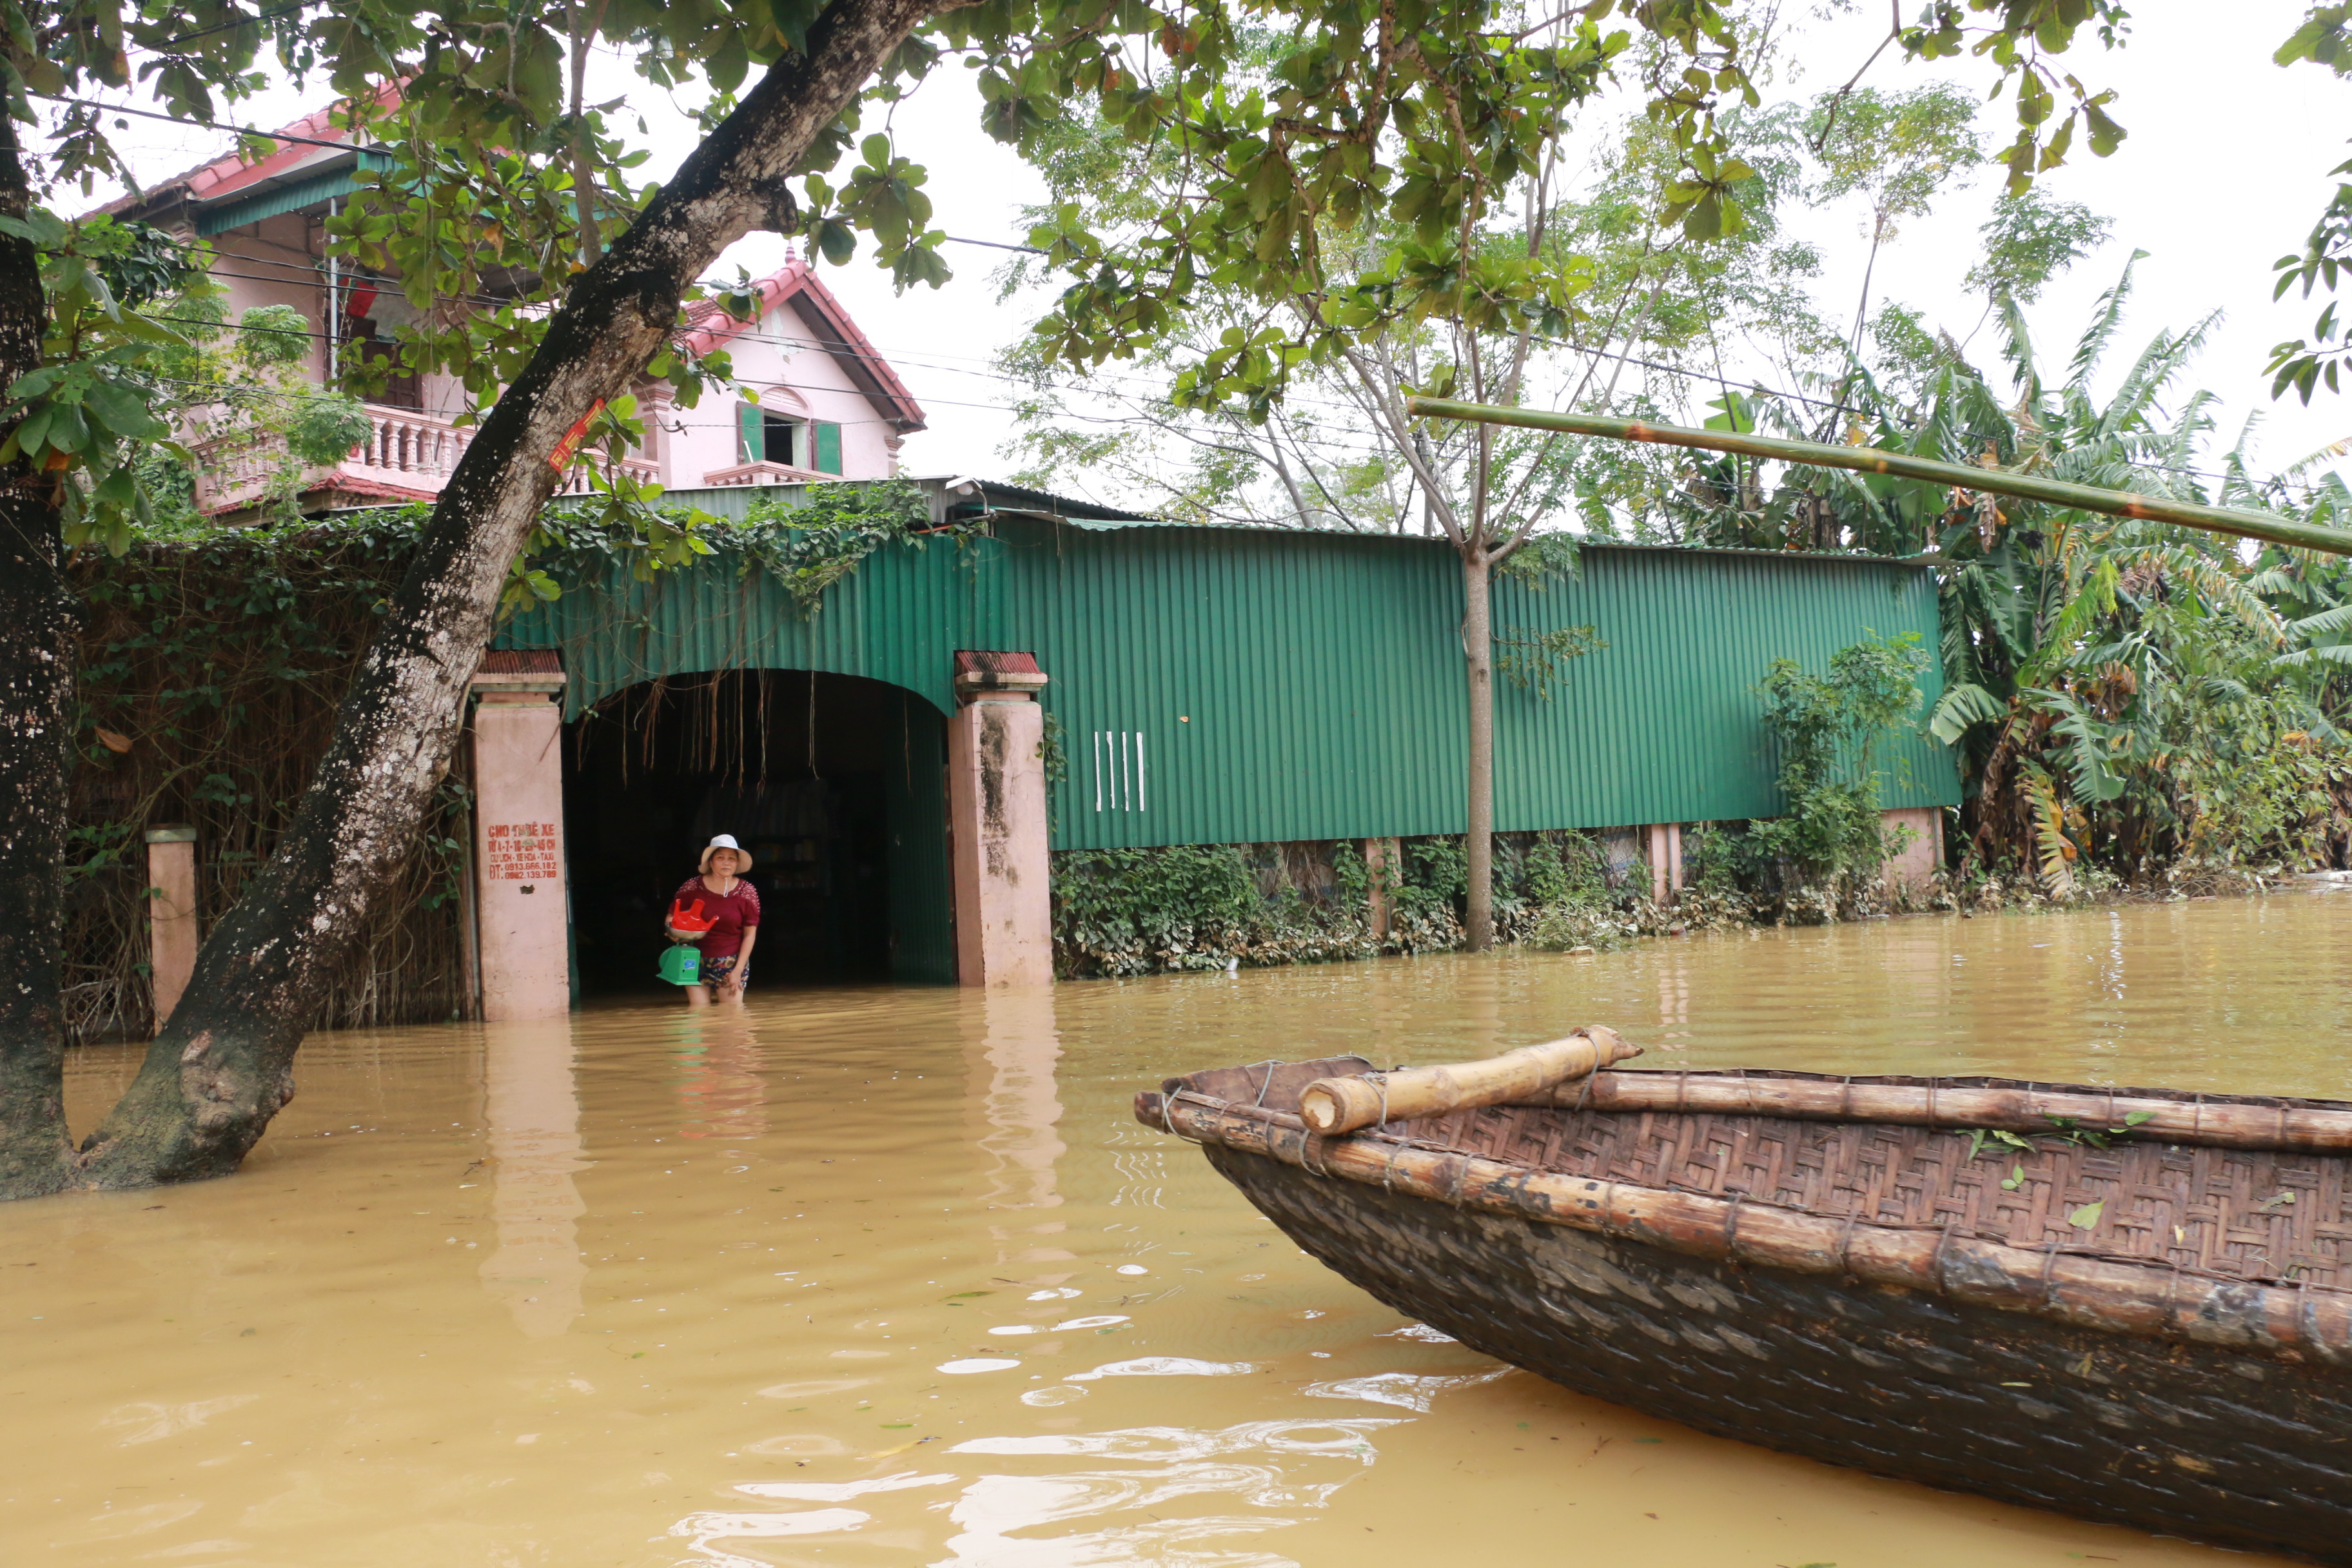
2219 1123
1902 465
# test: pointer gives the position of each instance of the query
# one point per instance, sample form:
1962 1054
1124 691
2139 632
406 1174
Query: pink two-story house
823 404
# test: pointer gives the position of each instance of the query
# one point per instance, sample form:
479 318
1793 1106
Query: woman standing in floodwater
733 907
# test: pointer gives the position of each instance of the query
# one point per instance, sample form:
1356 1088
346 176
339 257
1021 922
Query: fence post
1923 855
171 932
1381 860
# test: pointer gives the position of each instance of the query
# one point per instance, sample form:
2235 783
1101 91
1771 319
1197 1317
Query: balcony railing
406 454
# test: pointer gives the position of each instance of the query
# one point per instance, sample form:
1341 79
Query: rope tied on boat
1167 1121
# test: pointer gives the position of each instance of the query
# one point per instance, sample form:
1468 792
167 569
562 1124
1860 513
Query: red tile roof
224 176
707 327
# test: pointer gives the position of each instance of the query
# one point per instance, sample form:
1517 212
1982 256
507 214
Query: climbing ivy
1829 728
811 544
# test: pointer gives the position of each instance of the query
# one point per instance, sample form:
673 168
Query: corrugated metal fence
1227 685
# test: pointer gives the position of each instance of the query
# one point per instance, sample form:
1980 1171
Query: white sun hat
725 841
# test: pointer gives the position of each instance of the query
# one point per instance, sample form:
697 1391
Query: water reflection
1014 1048
534 1112
806 1316
719 1087
1277 1467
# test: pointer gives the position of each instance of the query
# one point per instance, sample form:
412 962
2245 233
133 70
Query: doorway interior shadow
837 784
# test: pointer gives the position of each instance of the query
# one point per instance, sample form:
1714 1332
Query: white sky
2224 171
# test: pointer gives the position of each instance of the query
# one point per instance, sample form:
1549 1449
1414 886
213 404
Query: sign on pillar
997 818
521 910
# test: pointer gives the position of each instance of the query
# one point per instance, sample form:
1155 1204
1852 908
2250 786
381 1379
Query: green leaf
2086 1217
793 20
32 433
835 240
68 431
122 412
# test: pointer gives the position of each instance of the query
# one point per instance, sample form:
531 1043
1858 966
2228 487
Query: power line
996 245
1690 375
215 126
227 27
350 146
841 348
1323 443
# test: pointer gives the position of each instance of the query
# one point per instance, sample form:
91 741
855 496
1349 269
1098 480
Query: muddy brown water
890 1275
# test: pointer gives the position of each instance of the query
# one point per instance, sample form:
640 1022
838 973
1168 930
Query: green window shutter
828 448
751 435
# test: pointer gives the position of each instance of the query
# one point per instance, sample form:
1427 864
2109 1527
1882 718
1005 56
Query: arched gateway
855 796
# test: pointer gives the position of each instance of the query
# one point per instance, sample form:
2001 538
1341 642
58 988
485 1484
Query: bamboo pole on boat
1902 465
2225 1124
1334 1105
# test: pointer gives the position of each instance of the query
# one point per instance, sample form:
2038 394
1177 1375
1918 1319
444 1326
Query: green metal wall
1225 685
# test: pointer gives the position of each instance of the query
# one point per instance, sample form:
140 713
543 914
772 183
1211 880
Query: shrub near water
1141 911
1187 907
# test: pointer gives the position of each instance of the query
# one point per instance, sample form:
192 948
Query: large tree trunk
39 627
224 1065
1478 652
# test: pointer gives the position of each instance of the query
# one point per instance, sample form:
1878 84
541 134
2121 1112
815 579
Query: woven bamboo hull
2245 1444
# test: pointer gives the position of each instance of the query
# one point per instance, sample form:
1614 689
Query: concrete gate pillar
171 915
519 904
997 822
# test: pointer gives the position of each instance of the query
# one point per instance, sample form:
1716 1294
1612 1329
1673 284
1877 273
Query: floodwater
890 1276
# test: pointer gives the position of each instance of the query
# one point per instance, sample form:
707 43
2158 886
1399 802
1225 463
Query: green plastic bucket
682 965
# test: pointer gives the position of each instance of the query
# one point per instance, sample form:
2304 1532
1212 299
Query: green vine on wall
809 546
1830 728
1533 662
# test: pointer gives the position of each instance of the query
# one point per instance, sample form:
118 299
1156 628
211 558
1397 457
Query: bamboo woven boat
2155 1332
